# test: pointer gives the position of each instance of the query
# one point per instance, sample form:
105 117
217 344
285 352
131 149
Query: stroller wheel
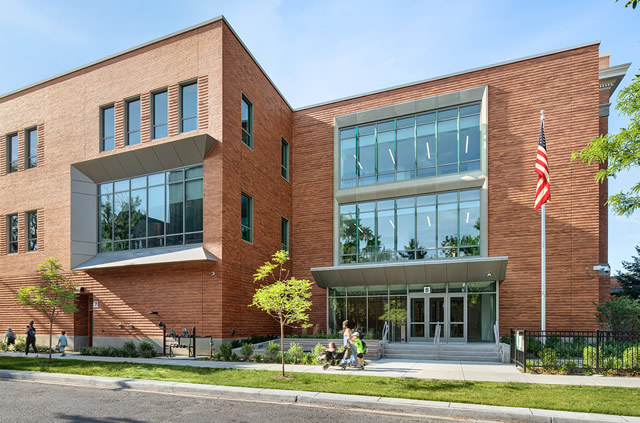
325 366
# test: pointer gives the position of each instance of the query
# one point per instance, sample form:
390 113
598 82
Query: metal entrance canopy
472 269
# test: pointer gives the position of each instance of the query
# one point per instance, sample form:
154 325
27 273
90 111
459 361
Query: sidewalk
444 370
447 410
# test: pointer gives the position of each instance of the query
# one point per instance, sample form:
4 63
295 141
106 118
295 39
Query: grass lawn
590 399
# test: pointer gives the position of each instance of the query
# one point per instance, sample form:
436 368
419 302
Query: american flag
542 169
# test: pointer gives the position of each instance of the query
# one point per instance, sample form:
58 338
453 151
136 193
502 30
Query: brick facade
213 296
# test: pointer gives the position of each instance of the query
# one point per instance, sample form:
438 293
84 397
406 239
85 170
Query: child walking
62 342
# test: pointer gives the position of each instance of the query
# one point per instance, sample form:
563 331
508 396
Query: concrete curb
429 408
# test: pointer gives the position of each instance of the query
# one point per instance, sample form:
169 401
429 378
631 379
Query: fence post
524 351
597 351
512 345
193 334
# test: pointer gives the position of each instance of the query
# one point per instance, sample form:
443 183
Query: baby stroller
332 359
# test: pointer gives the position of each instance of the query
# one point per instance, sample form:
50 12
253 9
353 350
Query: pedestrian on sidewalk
9 339
31 338
62 342
350 351
355 340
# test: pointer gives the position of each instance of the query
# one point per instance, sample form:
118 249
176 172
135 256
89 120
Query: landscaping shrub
305 359
257 358
218 356
21 343
611 363
506 340
226 350
246 351
295 352
534 346
3 346
129 349
235 357
631 358
146 349
569 366
549 359
589 356
272 351
316 352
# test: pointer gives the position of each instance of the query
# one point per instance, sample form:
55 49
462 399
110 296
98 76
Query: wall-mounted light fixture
213 273
120 325
130 325
489 274
153 312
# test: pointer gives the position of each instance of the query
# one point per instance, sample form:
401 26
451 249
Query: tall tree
284 298
621 150
630 280
54 295
633 3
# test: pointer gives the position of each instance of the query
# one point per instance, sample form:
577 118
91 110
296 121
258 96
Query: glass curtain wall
157 210
368 308
443 225
430 144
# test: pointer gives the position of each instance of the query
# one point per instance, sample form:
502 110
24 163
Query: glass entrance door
456 323
437 316
417 318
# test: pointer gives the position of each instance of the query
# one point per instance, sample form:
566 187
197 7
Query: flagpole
543 273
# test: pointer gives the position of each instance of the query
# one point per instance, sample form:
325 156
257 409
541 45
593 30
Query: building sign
95 304
427 290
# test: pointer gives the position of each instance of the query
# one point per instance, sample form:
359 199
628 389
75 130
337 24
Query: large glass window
133 121
246 218
284 159
12 234
12 153
189 107
107 129
246 116
157 210
428 226
32 231
160 115
31 148
430 144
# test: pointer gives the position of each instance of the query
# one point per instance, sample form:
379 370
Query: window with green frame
425 145
284 233
442 225
246 207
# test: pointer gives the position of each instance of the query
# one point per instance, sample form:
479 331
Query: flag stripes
542 169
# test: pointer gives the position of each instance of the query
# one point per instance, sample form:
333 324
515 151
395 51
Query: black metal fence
576 351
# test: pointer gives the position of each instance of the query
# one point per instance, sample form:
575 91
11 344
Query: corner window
284 160
12 153
31 148
160 114
247 218
285 234
32 231
12 234
189 107
107 129
247 122
133 121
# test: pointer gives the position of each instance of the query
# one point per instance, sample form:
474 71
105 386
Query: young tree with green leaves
54 295
284 298
621 151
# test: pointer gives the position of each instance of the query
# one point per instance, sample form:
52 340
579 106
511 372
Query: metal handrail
385 337
436 338
496 332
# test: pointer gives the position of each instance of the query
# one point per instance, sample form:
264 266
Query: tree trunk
50 337
282 345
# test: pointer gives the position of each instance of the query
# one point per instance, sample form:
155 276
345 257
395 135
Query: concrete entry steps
488 353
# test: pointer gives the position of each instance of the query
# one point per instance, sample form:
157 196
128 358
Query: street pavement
30 402
444 370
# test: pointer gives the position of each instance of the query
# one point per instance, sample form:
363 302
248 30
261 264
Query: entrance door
456 323
437 316
417 314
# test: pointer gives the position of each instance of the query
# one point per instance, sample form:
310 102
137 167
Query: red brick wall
257 173
566 86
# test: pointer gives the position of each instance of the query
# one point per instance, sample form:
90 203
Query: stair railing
496 333
436 338
385 337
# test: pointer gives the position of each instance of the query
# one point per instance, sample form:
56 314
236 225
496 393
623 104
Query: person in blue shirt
62 342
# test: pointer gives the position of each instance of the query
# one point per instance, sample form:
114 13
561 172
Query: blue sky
316 51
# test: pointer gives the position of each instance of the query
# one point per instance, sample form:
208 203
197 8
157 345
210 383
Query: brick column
21 146
203 102
40 144
119 123
145 117
174 113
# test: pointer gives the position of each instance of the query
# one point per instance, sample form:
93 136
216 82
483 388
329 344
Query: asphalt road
39 402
